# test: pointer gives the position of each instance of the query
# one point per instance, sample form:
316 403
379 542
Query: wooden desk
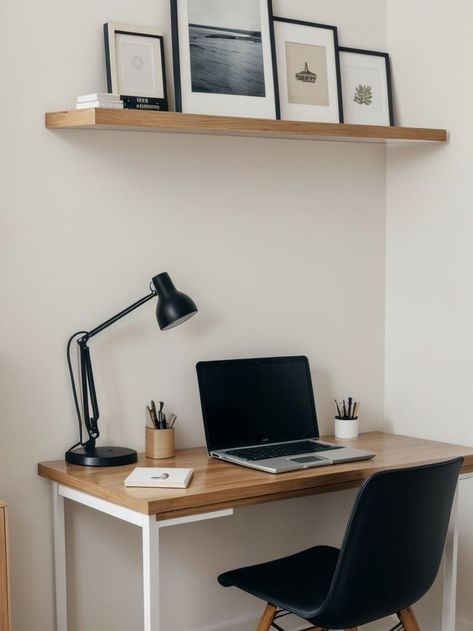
4 581
217 489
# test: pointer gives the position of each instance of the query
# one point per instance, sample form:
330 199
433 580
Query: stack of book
99 99
144 103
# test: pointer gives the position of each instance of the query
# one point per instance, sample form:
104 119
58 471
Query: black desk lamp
173 308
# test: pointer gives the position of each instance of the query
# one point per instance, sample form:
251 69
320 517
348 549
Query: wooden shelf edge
232 126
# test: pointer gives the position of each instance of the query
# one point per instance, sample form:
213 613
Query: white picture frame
222 58
307 66
366 87
135 63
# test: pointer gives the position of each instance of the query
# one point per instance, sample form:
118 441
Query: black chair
389 558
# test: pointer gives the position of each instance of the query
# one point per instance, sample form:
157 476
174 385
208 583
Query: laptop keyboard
283 449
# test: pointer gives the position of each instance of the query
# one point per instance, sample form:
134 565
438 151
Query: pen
160 416
350 400
154 416
338 409
153 407
150 415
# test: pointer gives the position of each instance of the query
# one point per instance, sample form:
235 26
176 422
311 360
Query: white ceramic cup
346 429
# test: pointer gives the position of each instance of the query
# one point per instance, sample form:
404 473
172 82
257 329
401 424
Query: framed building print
135 65
222 58
366 86
306 64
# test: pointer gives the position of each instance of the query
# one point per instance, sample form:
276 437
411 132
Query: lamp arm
88 413
89 394
122 314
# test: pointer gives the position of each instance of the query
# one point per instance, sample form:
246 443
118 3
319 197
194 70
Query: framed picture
366 86
222 58
306 63
135 65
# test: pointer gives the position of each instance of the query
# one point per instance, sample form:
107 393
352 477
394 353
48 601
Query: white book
160 476
98 96
101 104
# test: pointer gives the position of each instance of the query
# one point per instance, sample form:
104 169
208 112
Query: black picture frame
277 87
176 56
387 60
185 98
133 101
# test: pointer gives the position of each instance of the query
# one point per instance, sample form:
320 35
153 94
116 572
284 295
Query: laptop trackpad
309 460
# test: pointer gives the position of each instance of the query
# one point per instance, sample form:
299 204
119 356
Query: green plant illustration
364 95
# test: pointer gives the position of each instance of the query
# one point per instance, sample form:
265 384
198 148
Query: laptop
260 413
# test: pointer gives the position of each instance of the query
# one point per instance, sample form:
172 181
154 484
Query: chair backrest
393 544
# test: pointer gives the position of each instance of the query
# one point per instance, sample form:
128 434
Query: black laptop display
256 401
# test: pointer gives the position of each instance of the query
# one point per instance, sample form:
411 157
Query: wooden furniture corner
4 577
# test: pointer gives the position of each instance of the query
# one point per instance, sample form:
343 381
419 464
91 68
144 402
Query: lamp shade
174 307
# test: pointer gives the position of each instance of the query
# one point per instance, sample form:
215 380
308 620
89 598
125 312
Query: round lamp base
101 456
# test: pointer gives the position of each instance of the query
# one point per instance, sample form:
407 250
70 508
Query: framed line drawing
222 58
135 65
366 86
307 69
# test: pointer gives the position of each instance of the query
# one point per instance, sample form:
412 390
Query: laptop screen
256 401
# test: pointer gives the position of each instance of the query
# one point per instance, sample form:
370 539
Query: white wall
281 243
429 305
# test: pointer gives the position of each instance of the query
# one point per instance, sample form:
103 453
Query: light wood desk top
217 485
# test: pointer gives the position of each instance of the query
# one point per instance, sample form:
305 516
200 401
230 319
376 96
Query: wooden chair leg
267 618
409 622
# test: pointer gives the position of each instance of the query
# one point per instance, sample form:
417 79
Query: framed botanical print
135 65
222 58
306 63
366 86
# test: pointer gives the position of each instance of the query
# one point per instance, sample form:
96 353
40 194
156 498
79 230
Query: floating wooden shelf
141 120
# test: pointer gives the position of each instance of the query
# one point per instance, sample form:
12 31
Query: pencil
338 409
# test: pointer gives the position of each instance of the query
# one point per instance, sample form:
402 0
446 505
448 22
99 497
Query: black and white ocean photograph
226 47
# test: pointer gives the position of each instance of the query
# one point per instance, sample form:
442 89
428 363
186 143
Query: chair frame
406 617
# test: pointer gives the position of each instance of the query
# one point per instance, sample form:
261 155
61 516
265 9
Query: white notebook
159 476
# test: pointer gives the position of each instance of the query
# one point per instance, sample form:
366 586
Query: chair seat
298 583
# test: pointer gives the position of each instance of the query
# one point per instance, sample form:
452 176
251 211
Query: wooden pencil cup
159 443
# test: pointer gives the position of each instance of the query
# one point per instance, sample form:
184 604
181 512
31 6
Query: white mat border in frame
218 104
298 31
377 61
111 30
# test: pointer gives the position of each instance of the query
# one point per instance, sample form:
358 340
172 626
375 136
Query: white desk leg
450 570
150 532
59 559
